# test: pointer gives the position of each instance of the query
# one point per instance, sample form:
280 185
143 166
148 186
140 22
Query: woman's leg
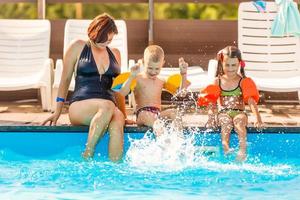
116 135
240 123
226 124
96 113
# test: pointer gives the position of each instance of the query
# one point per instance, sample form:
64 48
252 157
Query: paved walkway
30 113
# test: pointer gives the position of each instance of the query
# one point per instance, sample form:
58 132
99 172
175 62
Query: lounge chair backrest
266 55
24 46
77 29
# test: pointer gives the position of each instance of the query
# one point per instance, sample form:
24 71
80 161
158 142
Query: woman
93 102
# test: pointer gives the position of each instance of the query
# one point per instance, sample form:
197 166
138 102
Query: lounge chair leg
43 98
46 98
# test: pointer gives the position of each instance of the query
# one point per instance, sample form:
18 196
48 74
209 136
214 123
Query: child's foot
228 151
241 156
158 127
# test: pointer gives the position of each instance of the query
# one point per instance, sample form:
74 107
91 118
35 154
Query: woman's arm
69 62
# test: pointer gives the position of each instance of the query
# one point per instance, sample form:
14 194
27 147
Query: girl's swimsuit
88 82
231 101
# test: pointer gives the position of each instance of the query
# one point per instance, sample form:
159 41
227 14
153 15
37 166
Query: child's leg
150 119
226 124
146 118
240 123
175 116
169 113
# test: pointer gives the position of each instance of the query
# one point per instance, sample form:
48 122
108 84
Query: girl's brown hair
231 52
100 27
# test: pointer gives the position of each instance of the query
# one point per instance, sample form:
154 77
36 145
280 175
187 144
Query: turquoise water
49 166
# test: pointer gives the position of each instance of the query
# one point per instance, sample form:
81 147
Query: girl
231 90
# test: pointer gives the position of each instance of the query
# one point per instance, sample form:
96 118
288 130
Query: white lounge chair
273 62
77 29
24 57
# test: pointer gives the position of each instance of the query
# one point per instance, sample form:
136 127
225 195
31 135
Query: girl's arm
253 106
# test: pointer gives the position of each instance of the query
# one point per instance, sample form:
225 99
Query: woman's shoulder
74 49
115 50
77 44
116 53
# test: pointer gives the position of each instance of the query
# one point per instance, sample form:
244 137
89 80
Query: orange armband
173 83
249 90
209 95
121 79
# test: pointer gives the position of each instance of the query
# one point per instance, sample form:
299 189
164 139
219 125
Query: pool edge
130 129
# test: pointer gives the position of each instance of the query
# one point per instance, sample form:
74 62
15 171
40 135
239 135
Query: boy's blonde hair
154 53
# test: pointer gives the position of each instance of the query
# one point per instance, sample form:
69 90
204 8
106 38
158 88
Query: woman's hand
52 119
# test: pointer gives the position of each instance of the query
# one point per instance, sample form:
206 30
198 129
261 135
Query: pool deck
29 113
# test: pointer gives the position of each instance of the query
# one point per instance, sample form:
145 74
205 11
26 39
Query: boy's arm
253 106
183 72
126 86
184 82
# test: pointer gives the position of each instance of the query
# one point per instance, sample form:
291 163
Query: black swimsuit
89 83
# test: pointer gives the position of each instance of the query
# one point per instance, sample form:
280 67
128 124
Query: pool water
190 166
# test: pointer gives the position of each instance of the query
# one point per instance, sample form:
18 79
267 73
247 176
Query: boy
149 86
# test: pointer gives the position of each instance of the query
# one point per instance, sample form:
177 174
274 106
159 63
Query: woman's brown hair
100 27
231 52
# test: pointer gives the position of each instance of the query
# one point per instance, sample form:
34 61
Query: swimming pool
47 165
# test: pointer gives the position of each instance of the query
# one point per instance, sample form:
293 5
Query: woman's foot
241 156
88 153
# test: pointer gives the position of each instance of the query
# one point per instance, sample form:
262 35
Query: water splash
171 151
176 150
